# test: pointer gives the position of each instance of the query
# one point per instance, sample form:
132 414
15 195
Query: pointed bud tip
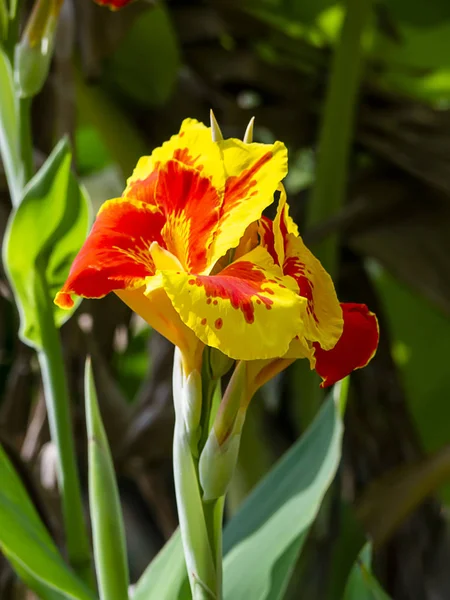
248 136
216 133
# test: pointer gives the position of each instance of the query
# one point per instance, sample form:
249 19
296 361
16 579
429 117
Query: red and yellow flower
187 248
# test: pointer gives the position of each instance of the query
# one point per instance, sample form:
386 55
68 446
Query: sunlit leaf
25 540
104 503
9 130
263 540
44 234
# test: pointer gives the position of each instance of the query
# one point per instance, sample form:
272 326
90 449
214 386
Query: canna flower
166 249
114 4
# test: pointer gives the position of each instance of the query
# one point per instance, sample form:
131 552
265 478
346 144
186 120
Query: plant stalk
336 132
58 411
25 137
200 522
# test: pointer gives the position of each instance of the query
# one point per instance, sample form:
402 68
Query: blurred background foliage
120 84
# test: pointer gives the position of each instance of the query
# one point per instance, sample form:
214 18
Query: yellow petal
253 173
248 310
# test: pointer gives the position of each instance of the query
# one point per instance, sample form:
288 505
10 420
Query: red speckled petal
248 310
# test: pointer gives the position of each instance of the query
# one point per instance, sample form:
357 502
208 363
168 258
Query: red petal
116 254
355 348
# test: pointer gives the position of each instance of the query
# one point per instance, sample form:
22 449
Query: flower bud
219 363
34 51
219 455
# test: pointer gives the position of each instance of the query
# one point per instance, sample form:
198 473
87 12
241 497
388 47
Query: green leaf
361 584
25 540
44 234
106 516
263 540
165 575
9 130
150 81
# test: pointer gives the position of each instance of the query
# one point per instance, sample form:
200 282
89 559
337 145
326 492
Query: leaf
150 81
263 540
361 584
108 530
165 575
25 540
50 224
9 130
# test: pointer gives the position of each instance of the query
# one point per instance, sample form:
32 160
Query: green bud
219 455
34 52
219 363
218 461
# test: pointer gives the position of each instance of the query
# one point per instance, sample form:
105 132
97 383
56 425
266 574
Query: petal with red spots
248 310
116 253
323 314
355 348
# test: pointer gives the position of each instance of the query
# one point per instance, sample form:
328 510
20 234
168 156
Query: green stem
213 513
57 402
195 525
336 131
25 136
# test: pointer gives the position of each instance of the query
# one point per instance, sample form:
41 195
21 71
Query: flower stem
57 402
200 522
26 144
336 132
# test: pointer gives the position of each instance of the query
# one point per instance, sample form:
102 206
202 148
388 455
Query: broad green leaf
362 585
9 130
108 530
413 322
25 540
263 540
44 234
149 81
165 575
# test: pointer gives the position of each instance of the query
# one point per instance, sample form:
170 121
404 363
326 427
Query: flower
187 248
114 4
163 248
337 338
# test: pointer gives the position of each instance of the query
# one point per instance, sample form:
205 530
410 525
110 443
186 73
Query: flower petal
116 253
157 310
323 321
355 348
248 311
253 172
192 146
191 205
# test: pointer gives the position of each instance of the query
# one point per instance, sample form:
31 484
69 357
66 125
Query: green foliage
26 542
263 540
413 322
361 584
44 234
106 515
9 130
165 575
145 65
